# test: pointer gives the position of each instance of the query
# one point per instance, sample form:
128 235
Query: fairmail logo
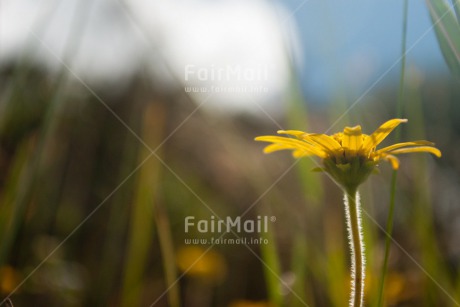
228 224
226 73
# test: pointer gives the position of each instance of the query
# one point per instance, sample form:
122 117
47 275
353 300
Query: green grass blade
456 4
389 225
447 32
389 231
145 212
272 268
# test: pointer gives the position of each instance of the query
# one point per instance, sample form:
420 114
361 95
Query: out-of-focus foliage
70 202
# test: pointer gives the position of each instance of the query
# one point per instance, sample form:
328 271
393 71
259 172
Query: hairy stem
355 236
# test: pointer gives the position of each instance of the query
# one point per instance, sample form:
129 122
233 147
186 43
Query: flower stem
355 236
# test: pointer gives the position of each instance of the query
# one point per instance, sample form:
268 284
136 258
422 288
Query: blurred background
118 119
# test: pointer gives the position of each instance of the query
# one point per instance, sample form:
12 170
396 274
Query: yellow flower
349 156
197 262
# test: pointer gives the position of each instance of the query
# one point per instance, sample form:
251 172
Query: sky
351 44
230 52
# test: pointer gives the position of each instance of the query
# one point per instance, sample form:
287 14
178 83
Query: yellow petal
352 138
429 149
381 133
393 160
300 154
293 144
338 137
325 141
276 147
296 133
405 144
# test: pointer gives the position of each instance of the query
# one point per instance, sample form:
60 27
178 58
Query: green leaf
447 32
456 4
